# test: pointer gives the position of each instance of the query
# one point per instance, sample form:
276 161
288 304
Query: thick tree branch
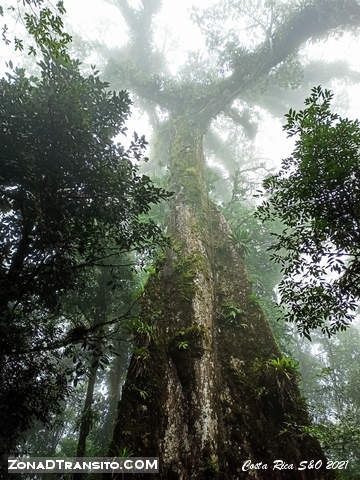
141 68
139 22
127 12
313 21
150 87
79 334
242 119
139 65
278 99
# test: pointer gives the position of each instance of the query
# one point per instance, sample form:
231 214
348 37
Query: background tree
100 365
328 369
316 196
70 198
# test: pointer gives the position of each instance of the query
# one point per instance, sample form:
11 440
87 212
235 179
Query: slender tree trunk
116 378
205 396
86 417
334 380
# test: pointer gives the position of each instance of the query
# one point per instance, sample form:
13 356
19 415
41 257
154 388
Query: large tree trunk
204 395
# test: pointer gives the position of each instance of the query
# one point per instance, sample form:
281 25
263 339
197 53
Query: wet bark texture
202 393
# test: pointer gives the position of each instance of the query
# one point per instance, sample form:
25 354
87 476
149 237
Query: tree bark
115 380
86 420
205 395
86 416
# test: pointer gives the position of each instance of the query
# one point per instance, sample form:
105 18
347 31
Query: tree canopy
316 195
71 198
43 21
69 194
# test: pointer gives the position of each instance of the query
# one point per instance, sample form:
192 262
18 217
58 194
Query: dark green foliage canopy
316 194
69 195
70 198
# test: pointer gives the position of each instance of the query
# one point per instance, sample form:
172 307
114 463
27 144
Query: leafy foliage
330 381
232 315
316 195
43 21
70 199
70 196
285 365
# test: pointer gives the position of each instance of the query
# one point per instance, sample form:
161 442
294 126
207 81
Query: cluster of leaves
138 328
316 195
287 366
69 195
31 387
44 23
232 315
331 384
70 199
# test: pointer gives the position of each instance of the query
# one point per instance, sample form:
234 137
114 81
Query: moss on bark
208 394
